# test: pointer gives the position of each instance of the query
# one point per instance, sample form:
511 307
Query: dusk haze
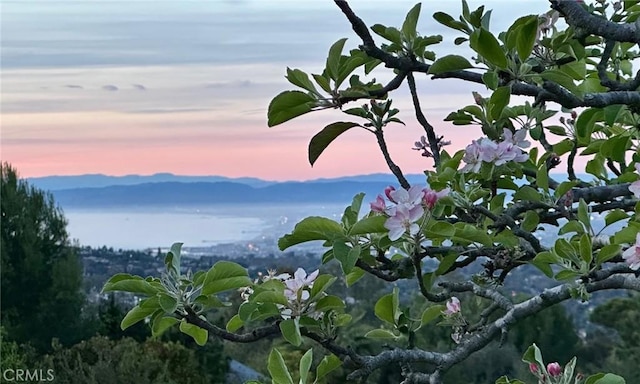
183 87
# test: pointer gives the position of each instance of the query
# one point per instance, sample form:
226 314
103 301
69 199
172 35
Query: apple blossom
517 139
431 197
453 306
632 254
296 284
387 192
379 205
403 220
407 198
554 369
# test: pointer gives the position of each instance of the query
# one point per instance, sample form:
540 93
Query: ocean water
153 227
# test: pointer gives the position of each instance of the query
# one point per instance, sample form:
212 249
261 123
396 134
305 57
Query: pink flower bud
378 205
533 368
453 306
431 197
554 369
574 115
387 192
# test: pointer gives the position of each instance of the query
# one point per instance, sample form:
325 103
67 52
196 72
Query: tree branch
428 128
578 17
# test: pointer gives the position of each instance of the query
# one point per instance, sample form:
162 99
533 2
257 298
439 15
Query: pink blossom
533 367
387 192
379 205
554 369
453 306
407 198
431 196
299 281
517 139
635 186
472 158
402 220
632 254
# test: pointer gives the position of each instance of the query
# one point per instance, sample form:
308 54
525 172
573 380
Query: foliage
100 360
488 206
41 275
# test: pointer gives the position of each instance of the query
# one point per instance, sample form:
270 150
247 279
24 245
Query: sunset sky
146 86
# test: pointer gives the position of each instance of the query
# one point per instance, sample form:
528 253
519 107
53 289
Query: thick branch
578 17
477 341
255 335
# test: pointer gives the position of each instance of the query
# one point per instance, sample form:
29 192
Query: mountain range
97 190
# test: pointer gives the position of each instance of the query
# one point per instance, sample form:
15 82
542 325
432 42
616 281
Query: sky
182 86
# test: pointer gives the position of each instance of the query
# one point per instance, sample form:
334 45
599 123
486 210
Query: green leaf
321 284
446 263
450 22
605 378
125 282
305 366
561 78
270 297
431 314
469 233
136 314
234 323
542 177
386 308
322 139
301 79
328 364
583 214
615 216
563 188
224 276
607 253
329 302
526 193
449 63
333 60
483 42
491 80
168 303
355 275
172 260
527 37
371 224
350 215
499 99
533 356
380 334
411 22
161 324
287 105
347 256
309 229
586 250
278 369
290 329
198 334
390 33
530 221
323 82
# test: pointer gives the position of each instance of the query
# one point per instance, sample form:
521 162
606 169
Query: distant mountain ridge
164 188
53 183
168 189
175 193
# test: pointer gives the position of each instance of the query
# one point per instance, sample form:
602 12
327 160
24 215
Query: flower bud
554 369
533 368
387 192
